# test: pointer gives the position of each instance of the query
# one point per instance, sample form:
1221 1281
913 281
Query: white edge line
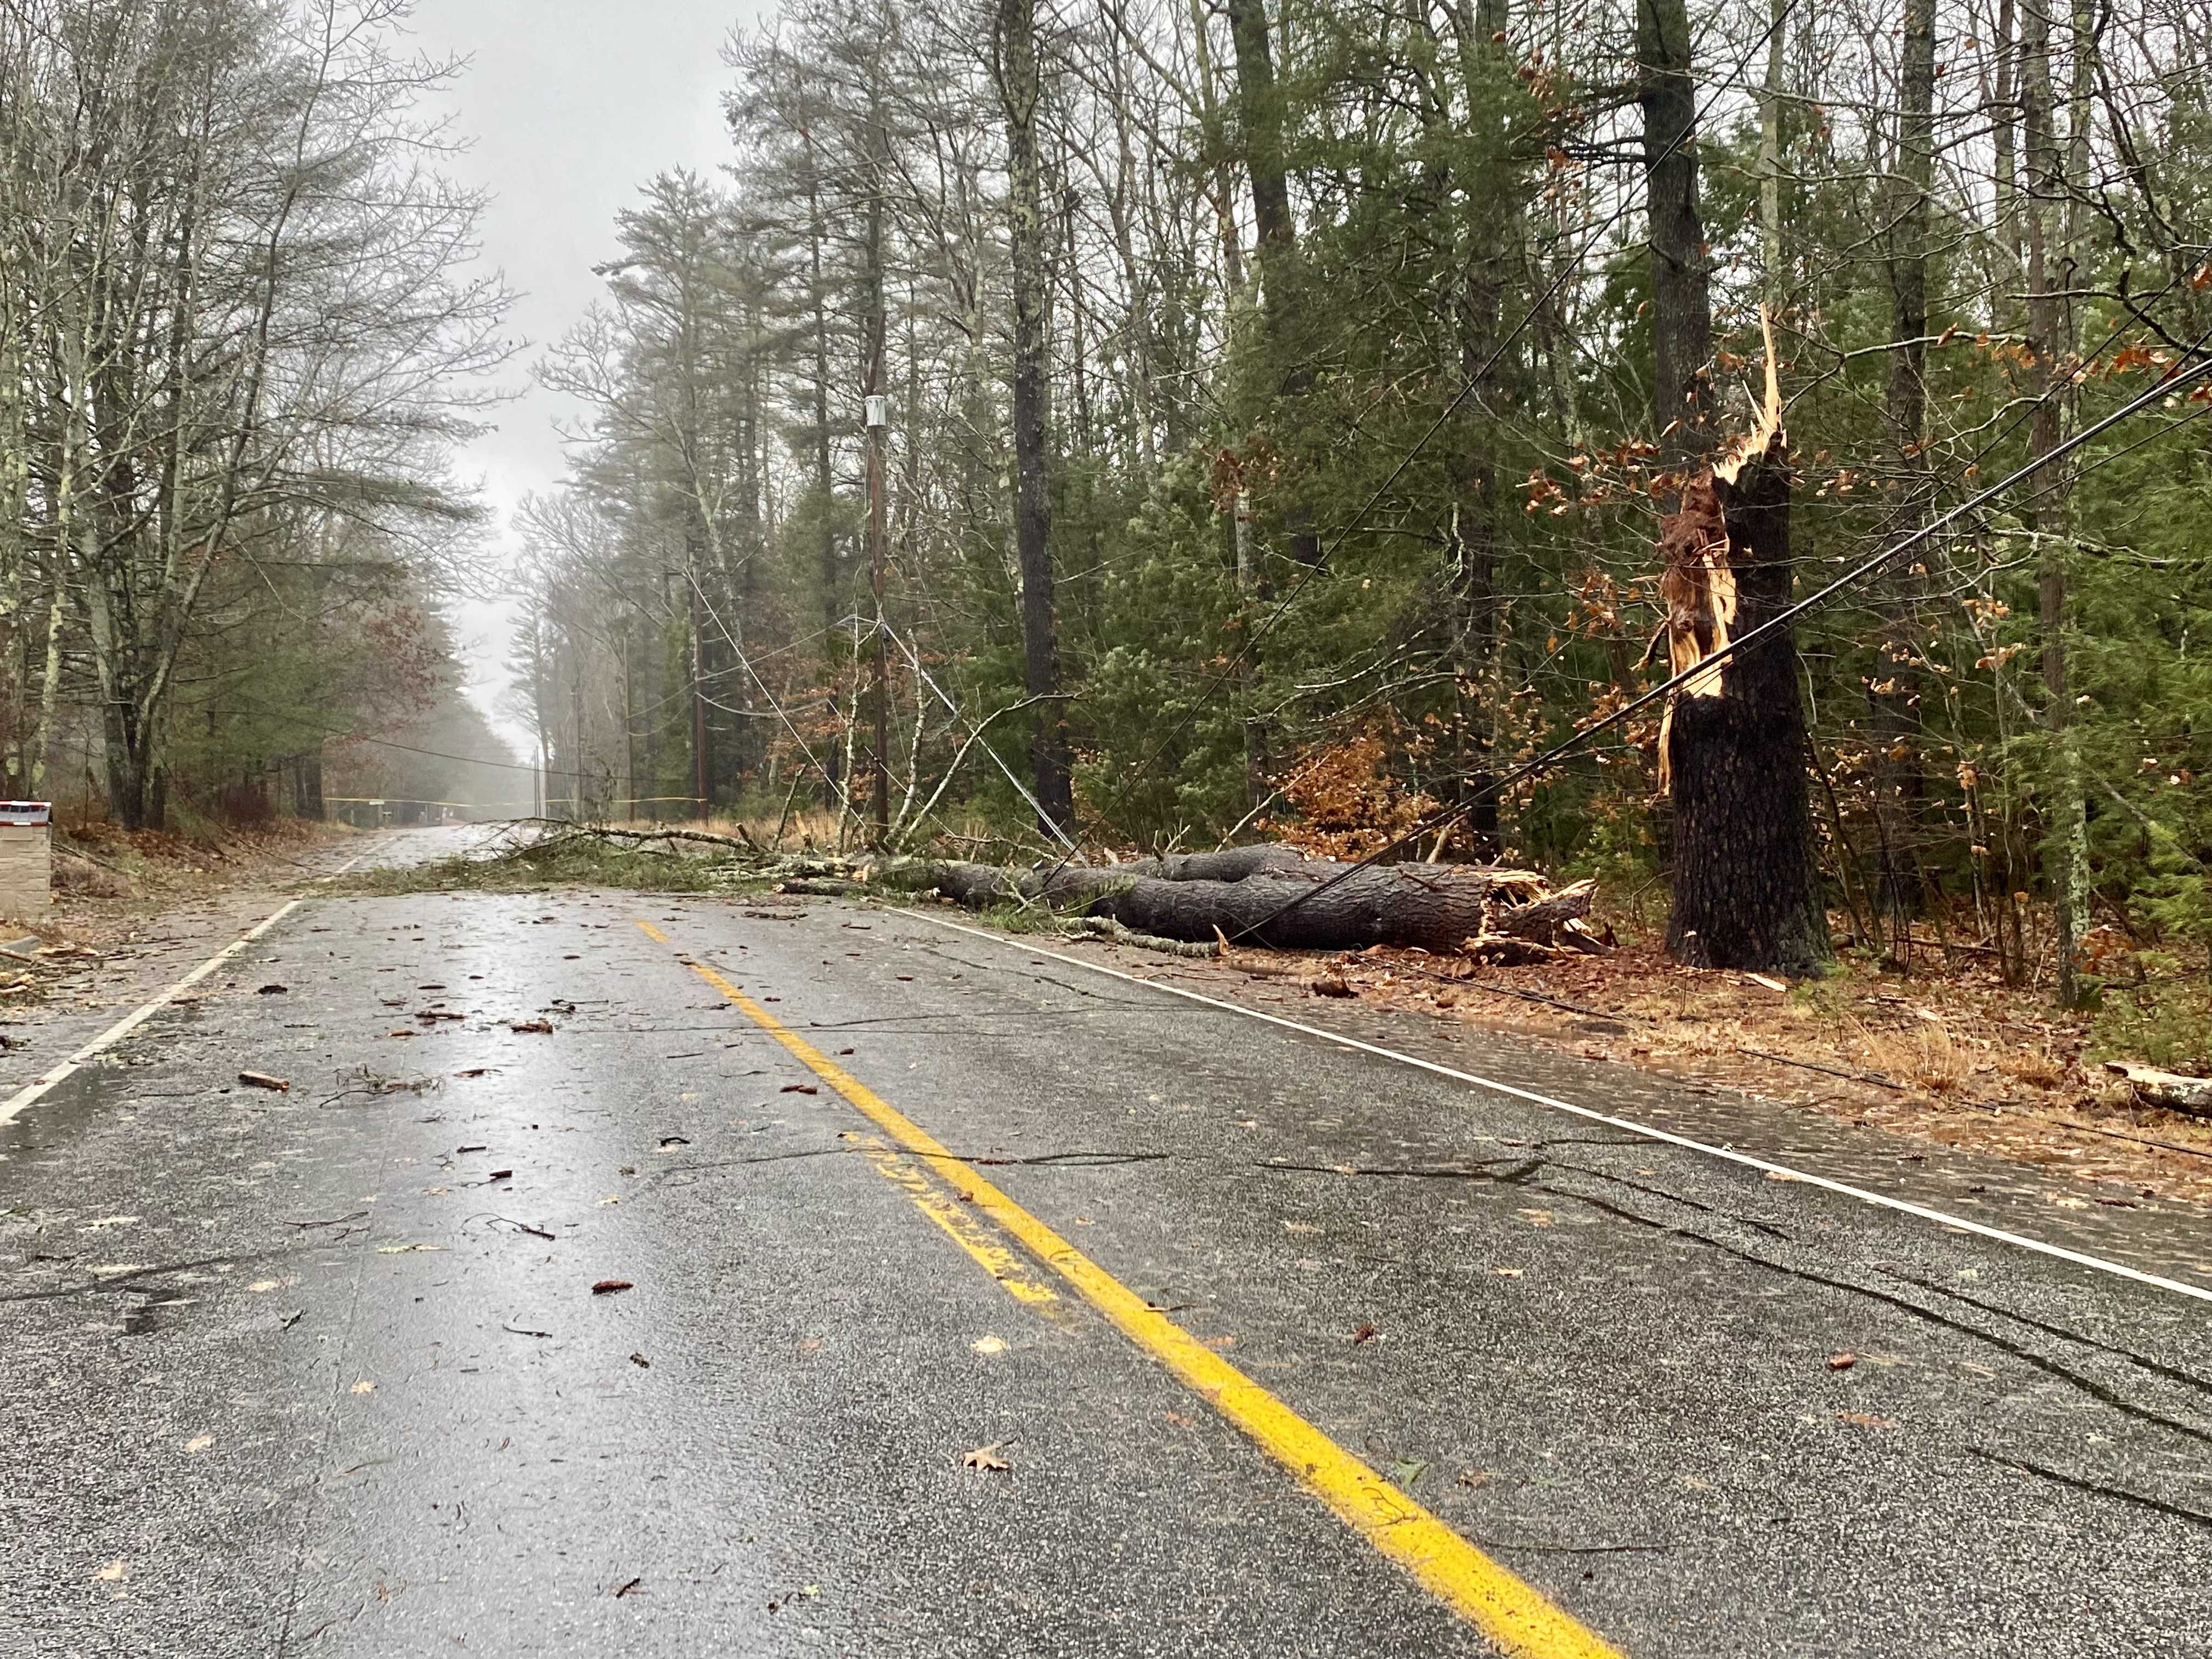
2078 1258
14 1106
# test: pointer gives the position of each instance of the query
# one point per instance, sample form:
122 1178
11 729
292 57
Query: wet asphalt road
305 1374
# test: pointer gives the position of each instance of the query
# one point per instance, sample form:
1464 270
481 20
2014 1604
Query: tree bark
2065 824
1894 695
1020 96
1260 122
1746 884
1681 310
1269 896
1746 891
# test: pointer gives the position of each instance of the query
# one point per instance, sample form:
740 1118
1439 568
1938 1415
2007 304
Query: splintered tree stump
1270 896
1732 745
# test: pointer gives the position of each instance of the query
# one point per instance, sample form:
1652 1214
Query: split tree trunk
1746 890
1746 877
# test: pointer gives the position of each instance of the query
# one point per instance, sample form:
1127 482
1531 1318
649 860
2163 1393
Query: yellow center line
1511 1613
960 1222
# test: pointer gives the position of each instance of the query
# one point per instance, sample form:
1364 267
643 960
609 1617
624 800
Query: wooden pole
880 689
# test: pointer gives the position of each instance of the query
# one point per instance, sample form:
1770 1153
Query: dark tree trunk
1020 95
2050 339
1682 311
1259 126
1486 69
1746 875
1746 888
1894 696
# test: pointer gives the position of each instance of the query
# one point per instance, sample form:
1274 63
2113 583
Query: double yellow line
1514 1616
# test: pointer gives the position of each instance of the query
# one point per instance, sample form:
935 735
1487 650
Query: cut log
2170 1089
1269 896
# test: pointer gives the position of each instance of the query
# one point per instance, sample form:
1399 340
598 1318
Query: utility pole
878 425
702 777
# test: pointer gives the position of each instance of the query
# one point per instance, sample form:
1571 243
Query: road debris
263 1080
609 1286
986 1457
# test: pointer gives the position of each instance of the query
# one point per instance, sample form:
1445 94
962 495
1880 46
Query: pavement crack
2081 1483
2096 1390
2172 1374
1768 1228
1518 1172
113 1281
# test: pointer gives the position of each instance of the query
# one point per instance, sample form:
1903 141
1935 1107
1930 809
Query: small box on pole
26 857
880 412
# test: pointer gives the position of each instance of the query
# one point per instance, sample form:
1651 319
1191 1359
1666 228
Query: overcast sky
569 105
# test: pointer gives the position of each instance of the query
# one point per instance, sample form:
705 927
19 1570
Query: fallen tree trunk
1269 896
2170 1089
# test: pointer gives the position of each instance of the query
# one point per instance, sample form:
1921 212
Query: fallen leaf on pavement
292 1318
798 1089
1842 1361
540 1027
1364 1333
640 1361
473 1070
989 1345
113 1573
986 1457
263 1080
675 1140
1537 1218
199 1443
1865 1420
364 1387
609 1286
270 991
1509 1272
1332 984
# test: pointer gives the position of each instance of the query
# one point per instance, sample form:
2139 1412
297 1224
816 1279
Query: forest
236 351
1749 455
